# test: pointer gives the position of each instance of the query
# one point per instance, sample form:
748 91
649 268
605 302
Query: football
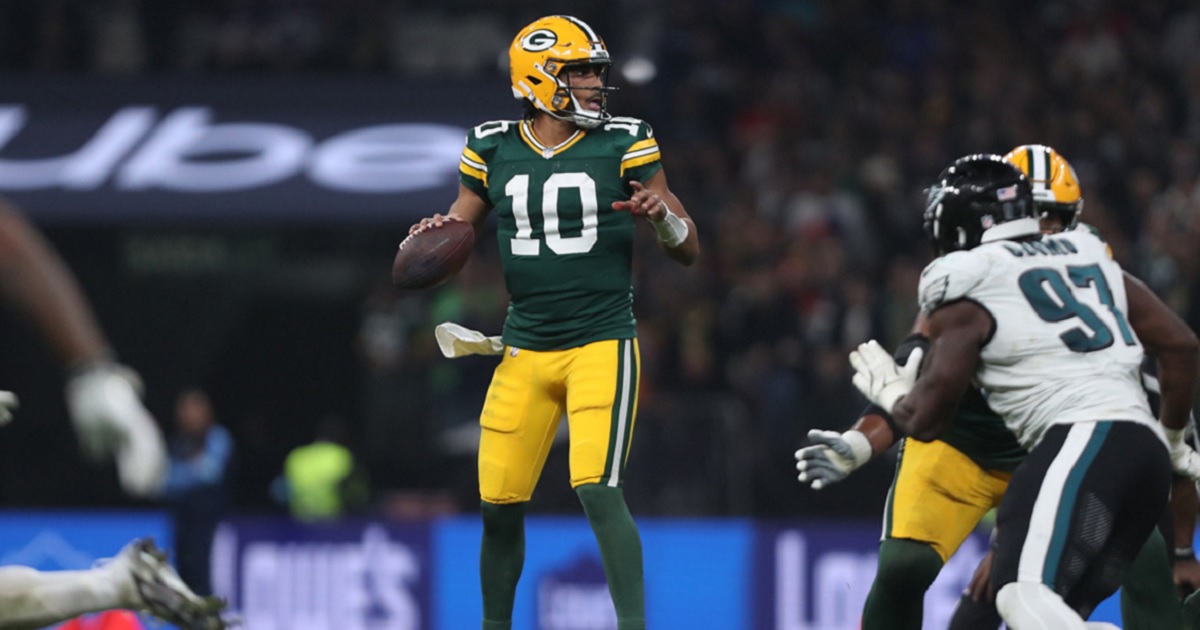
431 257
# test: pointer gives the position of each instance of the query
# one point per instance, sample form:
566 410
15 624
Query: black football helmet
978 199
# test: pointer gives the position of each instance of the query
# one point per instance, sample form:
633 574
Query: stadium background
229 179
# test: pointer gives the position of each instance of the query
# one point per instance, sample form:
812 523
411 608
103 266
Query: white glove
110 420
8 402
1184 459
878 376
832 457
456 341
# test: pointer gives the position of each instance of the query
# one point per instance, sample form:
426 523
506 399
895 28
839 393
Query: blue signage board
816 576
69 540
697 575
701 574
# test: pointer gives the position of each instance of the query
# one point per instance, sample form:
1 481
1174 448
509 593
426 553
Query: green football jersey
979 433
567 255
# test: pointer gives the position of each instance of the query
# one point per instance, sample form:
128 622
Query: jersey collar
548 152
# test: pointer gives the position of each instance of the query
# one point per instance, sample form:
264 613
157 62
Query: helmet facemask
565 105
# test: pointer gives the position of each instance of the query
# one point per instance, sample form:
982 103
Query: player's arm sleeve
478 151
641 159
472 171
906 347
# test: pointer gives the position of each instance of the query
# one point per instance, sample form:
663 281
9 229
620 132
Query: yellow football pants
596 385
939 495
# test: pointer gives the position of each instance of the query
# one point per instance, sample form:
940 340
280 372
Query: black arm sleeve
906 347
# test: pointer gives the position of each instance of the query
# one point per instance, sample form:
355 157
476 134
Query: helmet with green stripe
1056 191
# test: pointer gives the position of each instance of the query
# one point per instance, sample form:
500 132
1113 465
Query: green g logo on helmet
539 40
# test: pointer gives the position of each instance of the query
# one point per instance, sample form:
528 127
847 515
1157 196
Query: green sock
897 598
501 557
620 551
1148 597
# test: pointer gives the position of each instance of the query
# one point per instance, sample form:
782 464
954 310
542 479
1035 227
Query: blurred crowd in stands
799 134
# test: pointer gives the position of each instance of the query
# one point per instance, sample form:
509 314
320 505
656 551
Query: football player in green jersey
566 184
944 487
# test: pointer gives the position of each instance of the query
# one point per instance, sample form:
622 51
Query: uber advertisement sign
278 150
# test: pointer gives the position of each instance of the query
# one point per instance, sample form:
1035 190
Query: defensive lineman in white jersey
1045 325
1062 351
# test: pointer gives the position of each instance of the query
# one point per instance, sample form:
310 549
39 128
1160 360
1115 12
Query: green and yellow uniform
944 487
941 491
570 331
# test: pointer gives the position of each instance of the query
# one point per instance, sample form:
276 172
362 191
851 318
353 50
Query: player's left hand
1184 459
878 376
105 406
1186 573
643 203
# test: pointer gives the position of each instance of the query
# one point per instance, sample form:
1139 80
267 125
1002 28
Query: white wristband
860 446
672 230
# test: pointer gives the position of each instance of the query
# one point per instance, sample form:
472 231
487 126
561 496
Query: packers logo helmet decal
539 40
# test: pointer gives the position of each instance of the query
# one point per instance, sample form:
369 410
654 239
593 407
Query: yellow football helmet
1055 186
538 56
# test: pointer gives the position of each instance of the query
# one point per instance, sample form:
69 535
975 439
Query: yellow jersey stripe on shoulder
633 155
471 171
645 158
642 144
473 165
474 157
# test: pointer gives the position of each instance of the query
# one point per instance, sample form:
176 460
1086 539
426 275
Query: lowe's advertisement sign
282 150
282 575
701 574
718 574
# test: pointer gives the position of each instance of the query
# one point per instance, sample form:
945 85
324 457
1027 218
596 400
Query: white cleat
160 591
